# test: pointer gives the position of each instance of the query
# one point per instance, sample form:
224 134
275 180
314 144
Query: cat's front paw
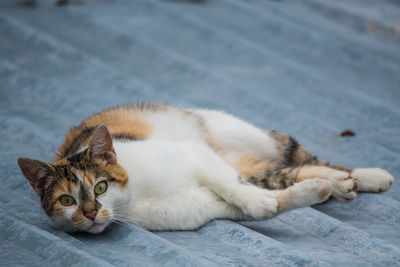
313 191
373 179
345 186
260 205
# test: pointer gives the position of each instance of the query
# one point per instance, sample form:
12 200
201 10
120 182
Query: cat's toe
345 187
373 179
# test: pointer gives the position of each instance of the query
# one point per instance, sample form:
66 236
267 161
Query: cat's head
82 192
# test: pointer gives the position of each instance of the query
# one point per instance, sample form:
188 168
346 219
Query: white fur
236 137
174 125
178 182
169 187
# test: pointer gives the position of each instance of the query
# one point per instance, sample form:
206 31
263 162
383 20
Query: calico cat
168 168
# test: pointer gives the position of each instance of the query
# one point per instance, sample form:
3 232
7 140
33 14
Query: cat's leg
255 202
186 209
190 208
344 185
255 153
258 203
302 194
368 179
277 177
261 156
221 178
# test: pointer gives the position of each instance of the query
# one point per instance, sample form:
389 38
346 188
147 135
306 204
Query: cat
167 168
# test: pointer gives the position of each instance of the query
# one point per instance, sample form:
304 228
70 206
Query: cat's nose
91 215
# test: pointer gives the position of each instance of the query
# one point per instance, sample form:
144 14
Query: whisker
120 207
118 222
125 218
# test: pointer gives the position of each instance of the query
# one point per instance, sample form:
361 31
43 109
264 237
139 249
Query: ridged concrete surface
309 68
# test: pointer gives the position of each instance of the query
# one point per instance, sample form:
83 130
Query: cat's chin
96 228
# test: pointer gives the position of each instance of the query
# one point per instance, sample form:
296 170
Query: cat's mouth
96 228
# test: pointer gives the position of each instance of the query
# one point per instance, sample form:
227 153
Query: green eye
67 200
100 188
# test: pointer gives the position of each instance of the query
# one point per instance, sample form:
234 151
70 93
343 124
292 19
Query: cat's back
136 122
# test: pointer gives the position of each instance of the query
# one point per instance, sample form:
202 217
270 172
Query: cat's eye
100 188
67 200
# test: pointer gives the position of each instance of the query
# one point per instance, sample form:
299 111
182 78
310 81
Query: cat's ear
36 172
101 145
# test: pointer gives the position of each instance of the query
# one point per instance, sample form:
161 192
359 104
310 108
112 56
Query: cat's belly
165 185
185 209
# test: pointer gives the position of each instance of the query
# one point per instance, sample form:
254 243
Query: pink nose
91 215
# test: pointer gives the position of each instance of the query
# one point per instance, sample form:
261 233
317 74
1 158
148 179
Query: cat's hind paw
344 186
373 179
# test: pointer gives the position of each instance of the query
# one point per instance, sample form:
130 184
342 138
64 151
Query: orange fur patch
88 178
324 193
307 172
64 188
58 209
105 214
60 162
124 120
119 173
250 167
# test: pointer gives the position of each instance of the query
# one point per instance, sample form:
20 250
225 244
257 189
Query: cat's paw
344 186
259 204
316 190
373 179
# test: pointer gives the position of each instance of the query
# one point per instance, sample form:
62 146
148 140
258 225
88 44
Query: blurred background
309 68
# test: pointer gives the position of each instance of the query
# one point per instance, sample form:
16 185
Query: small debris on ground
28 3
62 2
347 133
